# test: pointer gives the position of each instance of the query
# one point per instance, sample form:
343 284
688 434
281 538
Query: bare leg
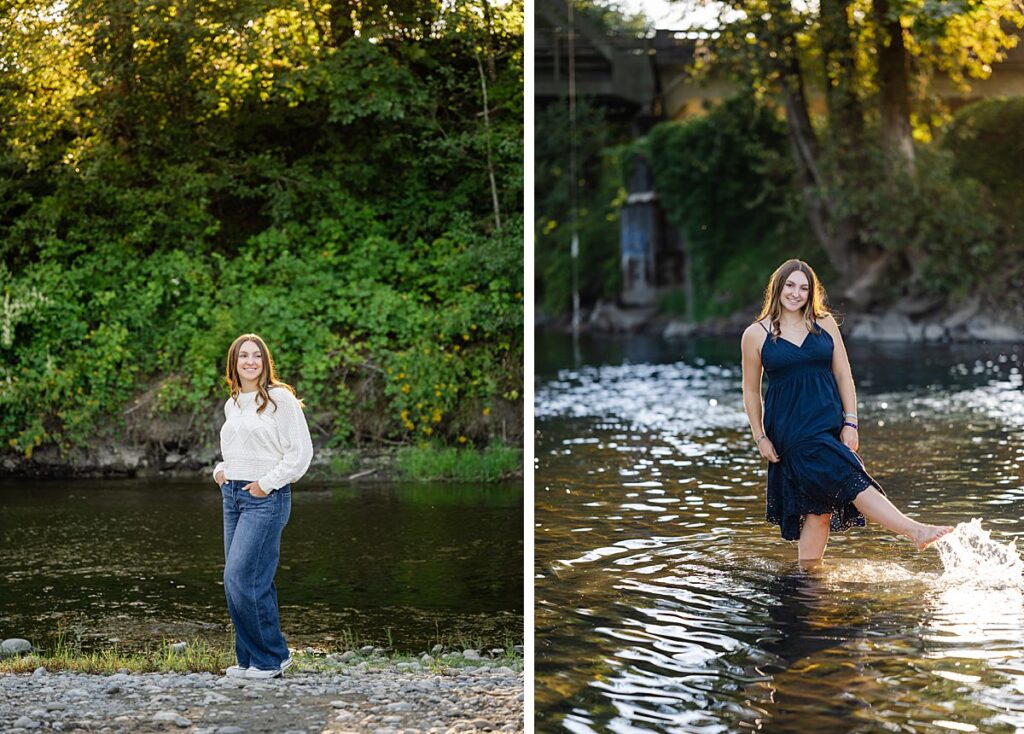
813 538
877 508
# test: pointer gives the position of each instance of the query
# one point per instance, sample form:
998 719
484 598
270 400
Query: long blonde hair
817 302
268 378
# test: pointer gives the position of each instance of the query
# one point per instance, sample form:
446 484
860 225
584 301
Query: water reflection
666 604
127 560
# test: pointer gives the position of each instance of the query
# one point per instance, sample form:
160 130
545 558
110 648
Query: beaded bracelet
762 437
851 425
851 416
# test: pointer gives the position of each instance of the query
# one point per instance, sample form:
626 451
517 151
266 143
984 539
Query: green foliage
942 223
985 147
602 190
204 170
726 182
427 463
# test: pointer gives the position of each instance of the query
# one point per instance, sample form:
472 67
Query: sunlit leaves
178 171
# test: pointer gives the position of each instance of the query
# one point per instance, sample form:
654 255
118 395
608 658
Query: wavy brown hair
817 302
268 378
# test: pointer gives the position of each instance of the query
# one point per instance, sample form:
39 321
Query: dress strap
764 327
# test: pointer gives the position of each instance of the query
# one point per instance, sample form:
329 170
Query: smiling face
795 292
249 365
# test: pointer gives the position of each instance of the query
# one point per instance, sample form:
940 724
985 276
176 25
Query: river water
140 561
665 603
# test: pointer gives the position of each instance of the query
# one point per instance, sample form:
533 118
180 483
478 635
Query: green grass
430 463
344 463
200 656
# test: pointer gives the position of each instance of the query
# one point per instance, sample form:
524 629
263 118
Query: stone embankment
398 698
910 321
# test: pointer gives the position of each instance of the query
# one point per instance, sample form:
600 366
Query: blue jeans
252 546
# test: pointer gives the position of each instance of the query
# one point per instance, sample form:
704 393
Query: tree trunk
487 133
837 238
893 84
845 112
342 27
489 41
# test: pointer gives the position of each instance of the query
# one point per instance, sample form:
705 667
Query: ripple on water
700 620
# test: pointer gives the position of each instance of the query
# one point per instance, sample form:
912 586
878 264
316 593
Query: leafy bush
941 223
985 146
329 191
601 190
726 182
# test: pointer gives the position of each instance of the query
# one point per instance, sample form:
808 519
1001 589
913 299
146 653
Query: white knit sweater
272 447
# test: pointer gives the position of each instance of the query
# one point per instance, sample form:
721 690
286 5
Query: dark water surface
142 560
665 603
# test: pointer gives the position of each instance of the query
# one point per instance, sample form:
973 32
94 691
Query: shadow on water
798 597
139 561
666 604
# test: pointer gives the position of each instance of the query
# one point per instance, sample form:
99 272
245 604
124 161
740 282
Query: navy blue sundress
817 473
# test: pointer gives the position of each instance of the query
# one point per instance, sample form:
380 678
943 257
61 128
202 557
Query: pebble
14 646
174 716
391 696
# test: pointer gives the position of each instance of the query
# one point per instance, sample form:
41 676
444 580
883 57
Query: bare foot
928 534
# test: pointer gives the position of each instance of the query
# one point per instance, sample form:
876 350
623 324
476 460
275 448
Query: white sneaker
286 664
236 671
259 673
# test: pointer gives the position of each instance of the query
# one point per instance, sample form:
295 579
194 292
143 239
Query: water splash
970 555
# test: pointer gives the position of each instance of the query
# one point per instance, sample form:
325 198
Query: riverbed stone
962 314
14 646
172 716
934 333
983 328
24 722
679 330
471 654
388 698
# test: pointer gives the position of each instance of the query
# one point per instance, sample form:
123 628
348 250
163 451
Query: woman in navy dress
806 426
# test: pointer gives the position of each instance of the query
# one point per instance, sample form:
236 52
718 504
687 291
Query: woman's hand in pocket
255 490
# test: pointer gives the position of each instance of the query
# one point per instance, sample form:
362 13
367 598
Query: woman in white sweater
265 445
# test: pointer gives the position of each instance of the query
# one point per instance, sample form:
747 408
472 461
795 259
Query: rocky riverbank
388 700
909 321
